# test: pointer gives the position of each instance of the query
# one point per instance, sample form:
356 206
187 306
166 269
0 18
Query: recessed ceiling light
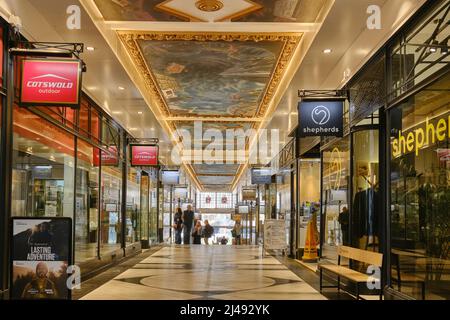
140 112
117 112
121 88
327 51
152 128
434 45
90 48
133 129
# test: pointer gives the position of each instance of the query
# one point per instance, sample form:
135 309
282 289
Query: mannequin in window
365 219
425 192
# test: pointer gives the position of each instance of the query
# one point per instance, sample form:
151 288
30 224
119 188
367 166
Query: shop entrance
362 229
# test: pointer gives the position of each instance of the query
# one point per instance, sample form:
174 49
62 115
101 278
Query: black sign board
41 252
261 176
321 117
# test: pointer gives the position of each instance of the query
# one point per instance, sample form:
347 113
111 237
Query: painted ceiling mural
214 78
266 11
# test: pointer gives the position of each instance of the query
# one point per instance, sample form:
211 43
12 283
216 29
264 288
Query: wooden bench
368 257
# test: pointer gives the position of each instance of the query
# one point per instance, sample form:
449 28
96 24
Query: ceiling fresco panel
211 75
212 78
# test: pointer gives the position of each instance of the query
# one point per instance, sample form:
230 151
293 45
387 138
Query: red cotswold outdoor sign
144 155
50 82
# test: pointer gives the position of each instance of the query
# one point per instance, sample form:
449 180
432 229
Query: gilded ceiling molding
129 40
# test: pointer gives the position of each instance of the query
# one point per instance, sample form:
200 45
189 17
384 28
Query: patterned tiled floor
206 272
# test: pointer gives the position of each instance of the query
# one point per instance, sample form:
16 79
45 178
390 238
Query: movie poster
40 258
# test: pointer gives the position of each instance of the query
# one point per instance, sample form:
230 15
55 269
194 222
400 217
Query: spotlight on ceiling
444 47
327 51
434 45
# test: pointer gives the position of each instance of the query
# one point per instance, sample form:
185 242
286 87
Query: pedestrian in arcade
208 231
197 233
188 220
178 225
236 232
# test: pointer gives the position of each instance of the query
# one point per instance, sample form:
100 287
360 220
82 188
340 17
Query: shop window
95 125
133 212
366 206
420 193
83 122
86 199
43 167
144 223
335 183
153 194
110 217
208 200
309 200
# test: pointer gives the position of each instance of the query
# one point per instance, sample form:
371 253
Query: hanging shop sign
321 118
144 155
40 256
180 193
248 194
109 159
47 82
261 176
170 177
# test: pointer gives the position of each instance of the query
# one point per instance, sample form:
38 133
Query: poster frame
11 252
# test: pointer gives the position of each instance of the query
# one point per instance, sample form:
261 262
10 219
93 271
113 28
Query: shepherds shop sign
421 135
321 118
50 82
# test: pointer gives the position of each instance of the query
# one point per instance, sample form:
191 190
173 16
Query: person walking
236 232
188 220
208 231
178 225
197 233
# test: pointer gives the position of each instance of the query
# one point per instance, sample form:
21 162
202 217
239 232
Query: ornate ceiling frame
130 40
187 17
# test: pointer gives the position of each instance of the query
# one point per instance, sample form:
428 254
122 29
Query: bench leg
357 291
339 284
320 279
423 290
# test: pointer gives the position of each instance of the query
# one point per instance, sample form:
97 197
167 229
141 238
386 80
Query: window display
366 194
420 193
133 211
111 230
309 198
86 210
335 179
43 168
